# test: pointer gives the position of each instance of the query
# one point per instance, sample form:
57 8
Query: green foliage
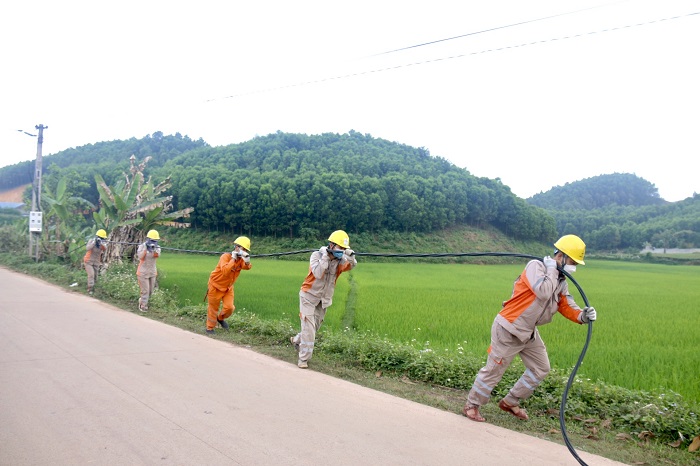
290 185
132 207
106 158
63 227
620 189
14 237
119 283
9 216
622 212
299 186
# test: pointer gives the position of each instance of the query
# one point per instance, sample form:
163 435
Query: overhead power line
492 29
452 57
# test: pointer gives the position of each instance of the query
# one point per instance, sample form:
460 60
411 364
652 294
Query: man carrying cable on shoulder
93 258
221 280
539 292
316 295
147 253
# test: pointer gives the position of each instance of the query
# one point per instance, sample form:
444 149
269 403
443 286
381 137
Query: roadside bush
14 239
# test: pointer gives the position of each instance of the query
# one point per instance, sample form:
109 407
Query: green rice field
646 335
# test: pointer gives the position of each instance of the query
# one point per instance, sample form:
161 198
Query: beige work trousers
504 347
93 271
147 286
311 319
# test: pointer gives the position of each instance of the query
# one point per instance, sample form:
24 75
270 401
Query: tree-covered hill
617 189
106 158
299 185
622 211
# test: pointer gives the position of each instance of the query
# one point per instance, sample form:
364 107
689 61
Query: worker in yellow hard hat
316 294
93 258
539 292
221 280
146 272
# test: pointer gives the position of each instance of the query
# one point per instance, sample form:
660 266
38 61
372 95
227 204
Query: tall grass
645 338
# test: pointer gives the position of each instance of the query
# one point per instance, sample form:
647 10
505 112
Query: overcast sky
581 88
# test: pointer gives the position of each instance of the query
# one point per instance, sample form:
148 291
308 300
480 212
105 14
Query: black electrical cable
572 376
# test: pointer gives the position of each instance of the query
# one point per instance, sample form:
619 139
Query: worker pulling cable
568 253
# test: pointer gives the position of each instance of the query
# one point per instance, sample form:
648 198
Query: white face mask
570 268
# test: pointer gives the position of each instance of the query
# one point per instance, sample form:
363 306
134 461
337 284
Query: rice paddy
646 335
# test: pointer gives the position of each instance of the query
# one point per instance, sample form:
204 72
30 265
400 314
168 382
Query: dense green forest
108 159
622 211
293 184
296 185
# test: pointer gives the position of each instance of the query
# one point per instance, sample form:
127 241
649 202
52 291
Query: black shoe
210 332
223 324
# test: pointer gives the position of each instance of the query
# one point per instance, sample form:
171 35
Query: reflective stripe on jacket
538 294
319 284
227 271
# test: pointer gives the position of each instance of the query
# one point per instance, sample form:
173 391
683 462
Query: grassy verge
633 427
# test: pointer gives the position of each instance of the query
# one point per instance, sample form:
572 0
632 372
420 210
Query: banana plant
132 207
61 231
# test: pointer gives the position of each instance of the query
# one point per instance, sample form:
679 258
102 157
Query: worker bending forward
539 292
316 295
221 280
147 253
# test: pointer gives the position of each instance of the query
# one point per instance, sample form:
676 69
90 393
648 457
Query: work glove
588 315
550 263
245 256
234 256
349 252
324 252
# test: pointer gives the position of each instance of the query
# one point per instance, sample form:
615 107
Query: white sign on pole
35 221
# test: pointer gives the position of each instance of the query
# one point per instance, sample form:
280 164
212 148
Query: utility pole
35 216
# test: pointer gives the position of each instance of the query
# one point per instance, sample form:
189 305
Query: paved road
82 382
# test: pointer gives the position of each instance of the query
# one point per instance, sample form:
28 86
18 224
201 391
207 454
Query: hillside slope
13 194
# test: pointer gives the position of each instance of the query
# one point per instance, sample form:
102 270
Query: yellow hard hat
152 234
572 246
340 238
243 241
101 233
